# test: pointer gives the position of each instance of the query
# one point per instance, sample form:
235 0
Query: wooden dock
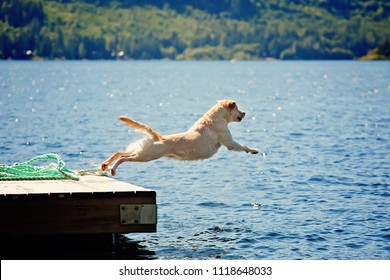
92 205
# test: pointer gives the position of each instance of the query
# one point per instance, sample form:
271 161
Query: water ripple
322 176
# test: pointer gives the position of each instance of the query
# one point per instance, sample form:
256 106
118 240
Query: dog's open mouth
239 119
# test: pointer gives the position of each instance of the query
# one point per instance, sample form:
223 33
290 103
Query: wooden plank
68 216
86 184
66 207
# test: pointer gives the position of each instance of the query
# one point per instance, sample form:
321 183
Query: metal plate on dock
138 214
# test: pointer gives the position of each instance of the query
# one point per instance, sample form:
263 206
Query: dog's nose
243 113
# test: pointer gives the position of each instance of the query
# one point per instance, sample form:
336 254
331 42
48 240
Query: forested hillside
192 29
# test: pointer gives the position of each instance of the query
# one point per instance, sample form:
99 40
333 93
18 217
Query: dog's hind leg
114 157
152 153
121 160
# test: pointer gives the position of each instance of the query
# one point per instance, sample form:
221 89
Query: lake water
322 176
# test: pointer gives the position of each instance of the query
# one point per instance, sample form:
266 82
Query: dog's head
232 113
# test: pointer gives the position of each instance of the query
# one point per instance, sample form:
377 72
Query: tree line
192 29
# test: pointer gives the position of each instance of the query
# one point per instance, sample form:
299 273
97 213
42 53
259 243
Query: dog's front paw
113 172
253 151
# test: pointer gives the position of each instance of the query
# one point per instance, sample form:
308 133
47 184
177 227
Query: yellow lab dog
201 141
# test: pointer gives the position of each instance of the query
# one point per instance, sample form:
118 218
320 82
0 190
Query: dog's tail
142 127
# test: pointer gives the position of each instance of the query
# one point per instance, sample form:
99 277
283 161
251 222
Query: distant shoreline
368 57
193 30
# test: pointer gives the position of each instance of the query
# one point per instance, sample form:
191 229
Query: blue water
322 129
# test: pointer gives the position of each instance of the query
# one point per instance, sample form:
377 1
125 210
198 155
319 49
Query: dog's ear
232 105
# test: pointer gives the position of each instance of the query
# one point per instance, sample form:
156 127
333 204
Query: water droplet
255 205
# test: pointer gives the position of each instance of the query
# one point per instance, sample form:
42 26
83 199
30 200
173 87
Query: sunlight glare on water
320 180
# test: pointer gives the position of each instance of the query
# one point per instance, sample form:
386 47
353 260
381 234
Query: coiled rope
53 171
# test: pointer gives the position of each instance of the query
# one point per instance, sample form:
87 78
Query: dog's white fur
201 141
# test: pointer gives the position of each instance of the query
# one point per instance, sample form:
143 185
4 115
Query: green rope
53 171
